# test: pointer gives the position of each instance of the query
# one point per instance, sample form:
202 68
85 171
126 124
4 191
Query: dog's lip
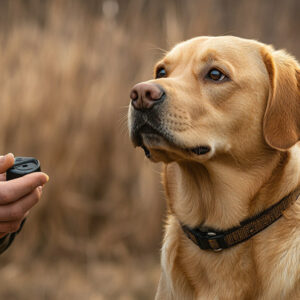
146 150
200 150
148 130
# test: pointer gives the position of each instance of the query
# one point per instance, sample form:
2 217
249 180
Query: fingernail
3 157
40 189
47 177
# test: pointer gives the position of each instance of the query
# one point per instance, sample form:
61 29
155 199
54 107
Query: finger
15 189
3 177
9 227
6 162
18 209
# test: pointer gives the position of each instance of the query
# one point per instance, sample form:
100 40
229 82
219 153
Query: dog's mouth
201 150
149 138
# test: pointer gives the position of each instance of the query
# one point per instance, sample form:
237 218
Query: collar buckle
213 241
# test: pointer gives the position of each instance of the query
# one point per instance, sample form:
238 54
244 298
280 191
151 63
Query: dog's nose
146 95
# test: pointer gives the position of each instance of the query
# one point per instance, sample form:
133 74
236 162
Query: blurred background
66 69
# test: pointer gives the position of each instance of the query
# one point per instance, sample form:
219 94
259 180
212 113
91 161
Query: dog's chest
225 276
266 267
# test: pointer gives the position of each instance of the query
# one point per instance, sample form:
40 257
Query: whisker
123 120
154 47
123 125
230 32
124 106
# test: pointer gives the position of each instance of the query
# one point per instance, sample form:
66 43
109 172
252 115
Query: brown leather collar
219 240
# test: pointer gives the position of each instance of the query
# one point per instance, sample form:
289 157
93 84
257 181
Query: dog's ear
281 125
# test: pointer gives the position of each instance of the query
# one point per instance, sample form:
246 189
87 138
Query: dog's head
215 95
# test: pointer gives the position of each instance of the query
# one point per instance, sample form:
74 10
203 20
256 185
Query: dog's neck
222 192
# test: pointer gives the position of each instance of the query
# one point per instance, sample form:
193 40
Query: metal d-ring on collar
219 240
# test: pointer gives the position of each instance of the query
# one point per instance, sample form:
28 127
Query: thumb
6 161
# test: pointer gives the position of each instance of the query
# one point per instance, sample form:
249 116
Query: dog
223 115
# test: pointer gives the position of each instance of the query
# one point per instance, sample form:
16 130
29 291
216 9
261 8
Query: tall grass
66 69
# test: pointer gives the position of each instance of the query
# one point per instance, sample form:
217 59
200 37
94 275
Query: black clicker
23 166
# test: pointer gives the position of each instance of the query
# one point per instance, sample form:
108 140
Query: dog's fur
251 122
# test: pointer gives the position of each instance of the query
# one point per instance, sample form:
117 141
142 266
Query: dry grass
66 71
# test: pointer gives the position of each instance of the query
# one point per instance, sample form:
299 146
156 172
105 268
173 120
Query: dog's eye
161 73
215 75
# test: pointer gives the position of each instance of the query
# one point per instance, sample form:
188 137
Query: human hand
17 196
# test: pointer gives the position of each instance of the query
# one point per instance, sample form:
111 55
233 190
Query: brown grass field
66 69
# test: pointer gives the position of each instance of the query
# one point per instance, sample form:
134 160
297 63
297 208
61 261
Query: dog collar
219 240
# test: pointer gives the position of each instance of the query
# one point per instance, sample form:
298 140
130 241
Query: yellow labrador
223 114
